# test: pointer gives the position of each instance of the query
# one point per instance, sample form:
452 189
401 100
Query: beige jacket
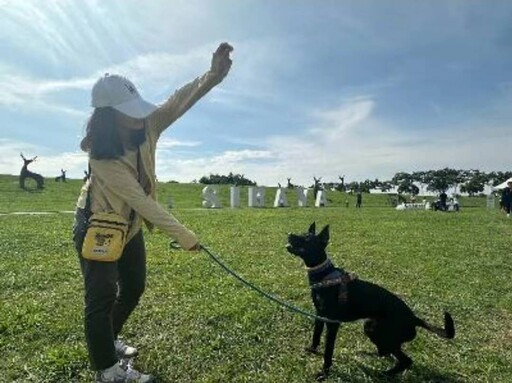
115 186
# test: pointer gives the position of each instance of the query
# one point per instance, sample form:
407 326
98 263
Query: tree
441 180
474 184
230 179
405 183
352 186
386 186
365 186
419 178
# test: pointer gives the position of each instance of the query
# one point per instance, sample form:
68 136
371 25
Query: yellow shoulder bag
105 237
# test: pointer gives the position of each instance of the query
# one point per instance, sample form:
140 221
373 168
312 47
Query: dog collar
319 272
317 268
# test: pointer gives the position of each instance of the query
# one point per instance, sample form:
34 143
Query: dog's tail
447 332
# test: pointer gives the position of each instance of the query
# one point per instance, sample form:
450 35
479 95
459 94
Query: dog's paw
312 350
400 367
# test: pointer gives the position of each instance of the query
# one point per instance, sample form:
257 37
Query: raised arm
188 95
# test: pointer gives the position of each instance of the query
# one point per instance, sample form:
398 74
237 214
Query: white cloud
350 141
177 168
168 143
339 121
234 156
150 70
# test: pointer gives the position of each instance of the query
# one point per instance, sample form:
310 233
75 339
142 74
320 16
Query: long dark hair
102 139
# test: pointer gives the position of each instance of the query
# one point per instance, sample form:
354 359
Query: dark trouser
112 291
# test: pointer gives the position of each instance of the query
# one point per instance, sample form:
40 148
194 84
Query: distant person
442 200
506 198
121 138
359 199
455 203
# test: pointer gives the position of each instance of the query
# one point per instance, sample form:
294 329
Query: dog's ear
312 228
324 234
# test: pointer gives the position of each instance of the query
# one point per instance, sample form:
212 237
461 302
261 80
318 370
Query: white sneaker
116 374
134 376
124 351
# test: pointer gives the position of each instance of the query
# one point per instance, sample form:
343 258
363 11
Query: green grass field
195 323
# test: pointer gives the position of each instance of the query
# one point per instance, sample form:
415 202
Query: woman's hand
221 61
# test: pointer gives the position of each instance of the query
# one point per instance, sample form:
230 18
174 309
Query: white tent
502 185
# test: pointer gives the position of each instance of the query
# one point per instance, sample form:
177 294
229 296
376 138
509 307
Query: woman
121 138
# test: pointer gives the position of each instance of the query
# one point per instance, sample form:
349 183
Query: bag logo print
103 239
102 243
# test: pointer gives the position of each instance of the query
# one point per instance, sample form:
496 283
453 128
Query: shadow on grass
417 374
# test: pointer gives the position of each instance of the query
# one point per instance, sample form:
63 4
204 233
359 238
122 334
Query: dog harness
327 275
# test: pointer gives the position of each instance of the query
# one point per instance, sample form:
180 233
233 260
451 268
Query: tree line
471 181
230 179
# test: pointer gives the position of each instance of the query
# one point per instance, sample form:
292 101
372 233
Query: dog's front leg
317 335
330 340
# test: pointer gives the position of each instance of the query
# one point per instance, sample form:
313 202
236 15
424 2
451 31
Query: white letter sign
210 197
280 200
256 196
321 198
302 196
235 196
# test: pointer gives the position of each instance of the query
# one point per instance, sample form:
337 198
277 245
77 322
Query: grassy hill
58 196
195 323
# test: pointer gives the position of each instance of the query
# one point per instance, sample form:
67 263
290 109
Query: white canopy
502 185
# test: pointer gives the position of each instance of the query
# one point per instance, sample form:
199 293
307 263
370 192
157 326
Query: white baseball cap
119 93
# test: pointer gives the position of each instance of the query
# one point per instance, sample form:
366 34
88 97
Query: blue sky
317 88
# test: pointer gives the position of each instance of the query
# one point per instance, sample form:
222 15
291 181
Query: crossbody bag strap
132 213
88 198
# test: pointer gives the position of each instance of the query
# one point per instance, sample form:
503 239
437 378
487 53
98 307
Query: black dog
342 297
